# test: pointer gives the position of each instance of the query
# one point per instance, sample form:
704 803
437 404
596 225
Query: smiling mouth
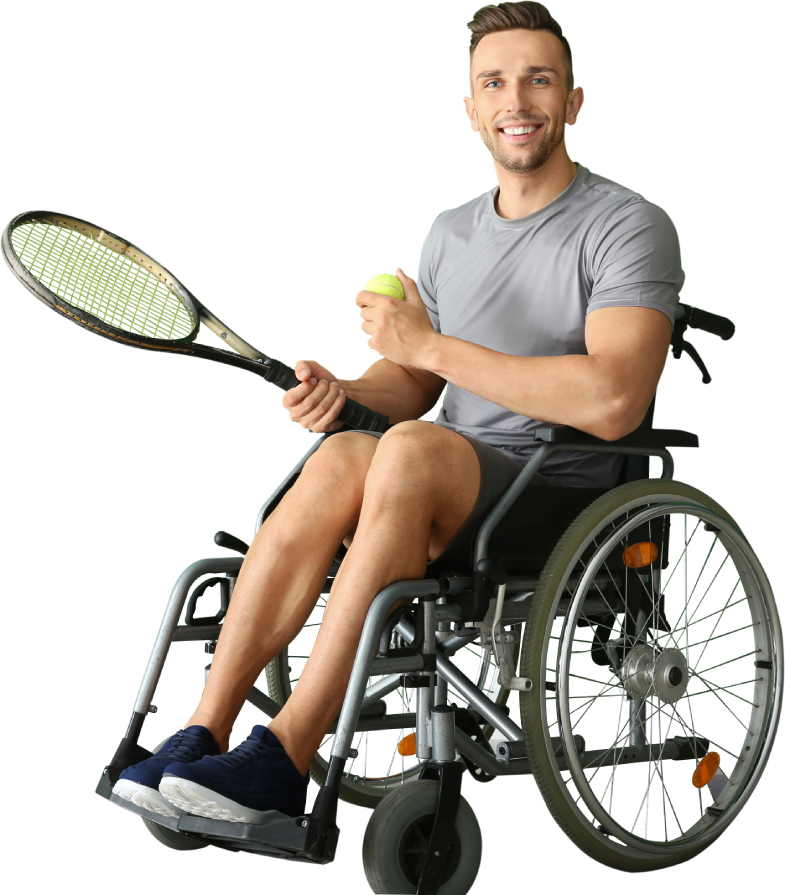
519 133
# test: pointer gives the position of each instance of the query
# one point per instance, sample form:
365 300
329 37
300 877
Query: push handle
707 322
687 316
690 317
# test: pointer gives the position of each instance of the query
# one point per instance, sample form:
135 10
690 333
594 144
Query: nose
520 100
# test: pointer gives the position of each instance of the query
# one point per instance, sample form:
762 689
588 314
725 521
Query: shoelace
182 747
250 749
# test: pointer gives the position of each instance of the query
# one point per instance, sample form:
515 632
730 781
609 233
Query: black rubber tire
601 848
401 817
173 838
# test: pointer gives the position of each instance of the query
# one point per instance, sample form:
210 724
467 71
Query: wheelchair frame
314 838
465 599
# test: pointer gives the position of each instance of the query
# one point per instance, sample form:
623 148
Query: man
551 298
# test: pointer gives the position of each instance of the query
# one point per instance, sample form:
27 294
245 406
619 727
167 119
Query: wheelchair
636 625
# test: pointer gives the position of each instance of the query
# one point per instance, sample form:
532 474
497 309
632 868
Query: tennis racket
109 286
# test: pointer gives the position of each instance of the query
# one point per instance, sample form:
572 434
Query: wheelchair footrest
280 836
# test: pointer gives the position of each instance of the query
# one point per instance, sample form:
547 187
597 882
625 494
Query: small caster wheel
397 837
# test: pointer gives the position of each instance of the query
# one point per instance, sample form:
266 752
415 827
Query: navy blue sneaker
241 786
139 783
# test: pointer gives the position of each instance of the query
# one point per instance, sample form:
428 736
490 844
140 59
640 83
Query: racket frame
244 355
197 312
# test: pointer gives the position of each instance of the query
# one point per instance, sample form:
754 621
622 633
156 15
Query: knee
407 455
407 433
412 441
341 463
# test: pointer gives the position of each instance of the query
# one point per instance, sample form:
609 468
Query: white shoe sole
143 797
203 802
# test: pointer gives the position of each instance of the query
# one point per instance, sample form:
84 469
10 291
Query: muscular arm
402 393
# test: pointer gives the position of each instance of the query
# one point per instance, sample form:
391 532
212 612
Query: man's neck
523 203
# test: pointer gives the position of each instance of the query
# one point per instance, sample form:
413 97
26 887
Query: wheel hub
648 671
414 844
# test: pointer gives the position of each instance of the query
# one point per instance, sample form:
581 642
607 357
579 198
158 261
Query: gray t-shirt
525 286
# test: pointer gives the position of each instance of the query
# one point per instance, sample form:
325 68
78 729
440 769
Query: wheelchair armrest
648 438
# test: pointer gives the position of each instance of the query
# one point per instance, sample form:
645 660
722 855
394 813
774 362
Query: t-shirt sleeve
636 261
425 281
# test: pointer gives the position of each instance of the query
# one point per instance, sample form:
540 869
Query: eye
544 80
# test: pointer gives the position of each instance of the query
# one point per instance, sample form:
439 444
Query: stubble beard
516 164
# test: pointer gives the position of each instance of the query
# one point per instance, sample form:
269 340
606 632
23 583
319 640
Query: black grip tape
356 416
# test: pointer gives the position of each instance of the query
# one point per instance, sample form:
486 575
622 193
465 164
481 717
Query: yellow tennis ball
386 284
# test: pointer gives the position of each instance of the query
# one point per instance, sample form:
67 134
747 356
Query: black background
274 163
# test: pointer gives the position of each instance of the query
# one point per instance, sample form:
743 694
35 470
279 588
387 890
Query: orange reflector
707 768
407 746
639 555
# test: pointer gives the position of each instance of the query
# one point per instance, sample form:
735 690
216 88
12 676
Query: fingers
315 404
410 289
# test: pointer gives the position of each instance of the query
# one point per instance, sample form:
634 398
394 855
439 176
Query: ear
574 103
471 113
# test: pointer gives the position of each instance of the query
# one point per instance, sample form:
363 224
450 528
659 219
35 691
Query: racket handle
356 416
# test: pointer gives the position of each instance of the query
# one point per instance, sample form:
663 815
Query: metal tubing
381 688
400 665
637 737
508 499
425 694
637 707
366 650
468 689
443 733
169 622
668 751
443 631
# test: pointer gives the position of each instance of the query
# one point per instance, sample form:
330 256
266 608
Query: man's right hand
316 403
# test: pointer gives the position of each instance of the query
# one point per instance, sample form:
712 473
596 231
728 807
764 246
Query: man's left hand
401 331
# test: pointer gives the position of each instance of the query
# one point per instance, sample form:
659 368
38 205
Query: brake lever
679 344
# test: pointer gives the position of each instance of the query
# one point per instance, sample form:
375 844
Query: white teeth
518 131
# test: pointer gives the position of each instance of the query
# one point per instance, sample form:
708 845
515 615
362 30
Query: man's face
519 80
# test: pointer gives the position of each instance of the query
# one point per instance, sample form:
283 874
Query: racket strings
92 277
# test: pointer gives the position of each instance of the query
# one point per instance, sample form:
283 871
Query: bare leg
422 485
282 575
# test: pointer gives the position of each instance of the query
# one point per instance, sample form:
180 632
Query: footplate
280 836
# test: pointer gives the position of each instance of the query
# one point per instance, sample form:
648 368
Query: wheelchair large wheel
397 836
654 646
173 838
378 766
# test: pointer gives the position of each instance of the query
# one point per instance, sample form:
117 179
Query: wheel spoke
726 688
650 778
717 694
716 623
703 585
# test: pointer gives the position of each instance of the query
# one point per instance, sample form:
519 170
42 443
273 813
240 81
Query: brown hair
507 16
